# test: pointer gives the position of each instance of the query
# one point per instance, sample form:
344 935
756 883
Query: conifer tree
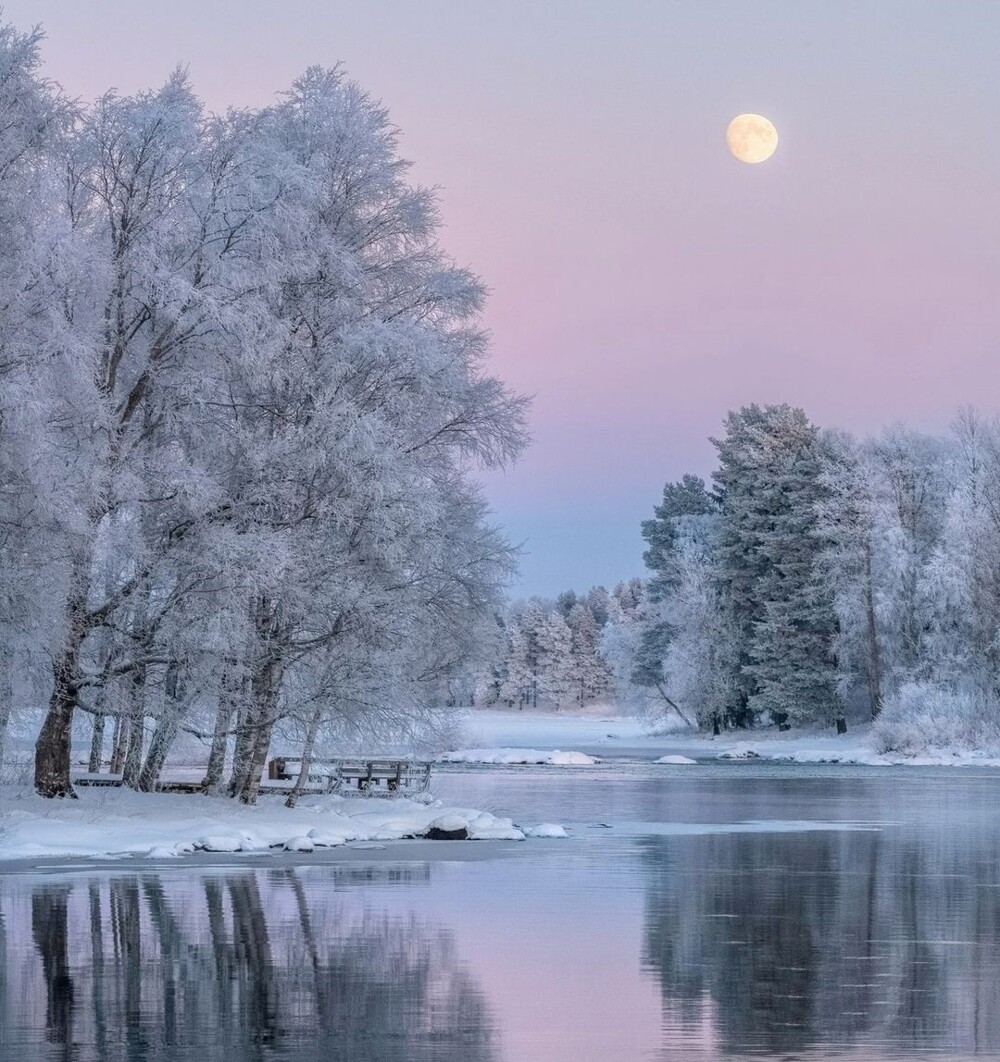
782 617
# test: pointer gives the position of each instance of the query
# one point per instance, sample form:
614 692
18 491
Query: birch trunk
230 697
52 748
307 752
6 697
135 728
119 744
874 654
265 687
97 744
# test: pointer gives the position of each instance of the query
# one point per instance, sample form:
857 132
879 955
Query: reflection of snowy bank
113 823
519 756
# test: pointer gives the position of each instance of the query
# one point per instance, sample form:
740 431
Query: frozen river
704 912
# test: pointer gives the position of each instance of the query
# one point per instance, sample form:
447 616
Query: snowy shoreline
517 737
122 824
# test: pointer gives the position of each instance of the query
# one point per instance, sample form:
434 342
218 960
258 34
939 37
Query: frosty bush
921 716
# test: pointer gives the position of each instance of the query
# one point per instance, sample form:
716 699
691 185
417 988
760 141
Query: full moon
751 138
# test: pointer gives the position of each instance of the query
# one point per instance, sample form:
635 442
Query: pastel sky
644 282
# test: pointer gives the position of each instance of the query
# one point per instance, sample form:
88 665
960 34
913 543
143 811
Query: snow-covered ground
117 822
524 736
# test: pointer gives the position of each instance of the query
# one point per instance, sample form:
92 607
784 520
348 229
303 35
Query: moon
751 138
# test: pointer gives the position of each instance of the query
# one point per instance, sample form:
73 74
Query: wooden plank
99 779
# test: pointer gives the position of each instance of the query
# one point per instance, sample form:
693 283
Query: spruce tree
782 617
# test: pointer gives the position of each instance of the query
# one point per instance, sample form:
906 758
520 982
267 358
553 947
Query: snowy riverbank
109 823
526 736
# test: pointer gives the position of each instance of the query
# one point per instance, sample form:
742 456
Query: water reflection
785 943
612 945
150 967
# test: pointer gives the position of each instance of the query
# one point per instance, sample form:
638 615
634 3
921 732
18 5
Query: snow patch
217 843
547 829
299 844
519 756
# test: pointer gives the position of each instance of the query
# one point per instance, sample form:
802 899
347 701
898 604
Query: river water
724 911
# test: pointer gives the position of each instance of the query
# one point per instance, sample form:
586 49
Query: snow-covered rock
547 829
741 752
299 844
325 839
676 759
219 843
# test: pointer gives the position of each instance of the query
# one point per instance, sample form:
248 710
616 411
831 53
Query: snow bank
547 829
676 759
519 756
163 826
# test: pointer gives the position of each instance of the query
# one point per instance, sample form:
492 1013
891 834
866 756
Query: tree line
243 395
817 579
550 652
823 577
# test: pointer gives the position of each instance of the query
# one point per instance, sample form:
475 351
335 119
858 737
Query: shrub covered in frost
921 716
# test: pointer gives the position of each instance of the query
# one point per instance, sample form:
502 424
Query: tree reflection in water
236 965
786 942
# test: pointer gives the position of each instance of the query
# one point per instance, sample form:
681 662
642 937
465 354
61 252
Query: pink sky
643 281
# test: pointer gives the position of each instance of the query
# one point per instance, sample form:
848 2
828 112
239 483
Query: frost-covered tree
590 678
256 390
852 566
911 485
34 121
769 483
555 660
682 502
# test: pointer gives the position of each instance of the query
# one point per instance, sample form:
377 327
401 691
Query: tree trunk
265 686
135 728
673 704
166 729
159 747
52 747
6 697
119 744
874 654
307 751
244 746
230 689
97 744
